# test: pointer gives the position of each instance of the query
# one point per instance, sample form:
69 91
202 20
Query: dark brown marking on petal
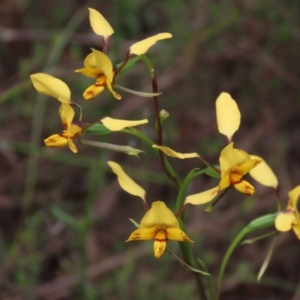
248 190
90 93
257 163
237 181
99 84
160 240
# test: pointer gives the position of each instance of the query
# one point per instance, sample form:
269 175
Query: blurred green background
63 217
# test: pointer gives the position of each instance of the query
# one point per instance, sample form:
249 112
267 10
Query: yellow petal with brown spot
160 243
244 187
142 234
56 140
263 174
201 198
177 234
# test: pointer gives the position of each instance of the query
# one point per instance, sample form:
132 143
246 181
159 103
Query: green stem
150 143
117 72
259 223
159 131
190 260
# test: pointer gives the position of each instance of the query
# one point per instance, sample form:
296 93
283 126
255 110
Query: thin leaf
137 225
267 259
98 129
258 238
217 199
129 65
185 265
137 93
212 173
208 280
119 148
63 216
181 195
259 223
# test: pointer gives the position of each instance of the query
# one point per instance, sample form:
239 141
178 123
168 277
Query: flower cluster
159 223
96 65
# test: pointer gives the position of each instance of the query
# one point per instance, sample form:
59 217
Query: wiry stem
122 65
159 132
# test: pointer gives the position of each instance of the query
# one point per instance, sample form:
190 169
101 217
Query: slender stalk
278 198
190 260
105 45
159 131
122 65
209 164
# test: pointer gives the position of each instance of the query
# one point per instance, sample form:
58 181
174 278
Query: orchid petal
231 157
99 24
126 183
117 125
228 115
177 234
296 229
115 94
263 173
56 140
89 72
103 63
201 198
247 166
293 196
159 215
51 86
93 91
72 146
244 187
168 151
67 114
160 243
142 47
142 234
284 221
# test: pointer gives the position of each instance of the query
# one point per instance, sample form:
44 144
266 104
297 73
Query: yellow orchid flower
234 164
159 222
290 218
228 121
98 65
51 86
71 130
